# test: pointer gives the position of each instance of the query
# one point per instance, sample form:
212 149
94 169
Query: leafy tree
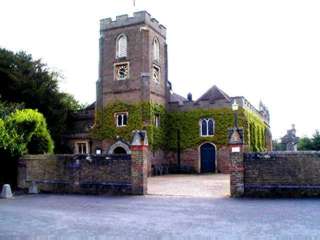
7 108
277 146
316 140
313 143
305 144
29 82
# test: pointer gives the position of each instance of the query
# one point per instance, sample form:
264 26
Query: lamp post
235 108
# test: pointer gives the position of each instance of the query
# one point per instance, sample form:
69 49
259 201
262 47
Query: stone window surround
115 65
207 123
155 66
118 52
116 118
76 149
156 49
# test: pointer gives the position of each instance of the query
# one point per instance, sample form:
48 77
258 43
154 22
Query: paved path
100 217
210 185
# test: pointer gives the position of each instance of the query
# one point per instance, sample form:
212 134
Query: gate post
237 164
139 160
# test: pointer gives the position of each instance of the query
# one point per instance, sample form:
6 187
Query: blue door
208 155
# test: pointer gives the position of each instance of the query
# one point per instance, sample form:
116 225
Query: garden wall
88 174
288 174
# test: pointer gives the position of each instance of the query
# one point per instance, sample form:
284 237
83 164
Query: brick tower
133 60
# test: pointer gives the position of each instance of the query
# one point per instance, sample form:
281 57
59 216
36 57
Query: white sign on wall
235 149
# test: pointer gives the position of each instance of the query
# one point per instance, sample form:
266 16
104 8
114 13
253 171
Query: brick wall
76 173
191 158
95 174
279 173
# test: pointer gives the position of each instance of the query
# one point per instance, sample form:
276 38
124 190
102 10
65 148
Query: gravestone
6 191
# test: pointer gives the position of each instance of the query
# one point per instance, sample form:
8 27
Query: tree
307 144
31 83
316 140
278 146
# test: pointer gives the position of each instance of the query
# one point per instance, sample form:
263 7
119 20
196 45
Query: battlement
141 17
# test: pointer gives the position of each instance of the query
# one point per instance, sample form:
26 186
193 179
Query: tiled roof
177 98
214 93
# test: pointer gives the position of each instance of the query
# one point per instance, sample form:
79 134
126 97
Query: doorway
208 158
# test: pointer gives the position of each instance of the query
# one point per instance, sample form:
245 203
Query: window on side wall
121 119
81 148
157 120
207 127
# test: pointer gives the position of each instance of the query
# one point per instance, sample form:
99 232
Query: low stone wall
89 174
76 173
287 174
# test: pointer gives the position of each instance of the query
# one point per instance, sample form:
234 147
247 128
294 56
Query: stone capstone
6 191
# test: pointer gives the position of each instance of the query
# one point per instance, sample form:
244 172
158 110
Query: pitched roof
213 94
177 98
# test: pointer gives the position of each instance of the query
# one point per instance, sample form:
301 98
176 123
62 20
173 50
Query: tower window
156 50
121 71
121 119
121 47
207 126
156 74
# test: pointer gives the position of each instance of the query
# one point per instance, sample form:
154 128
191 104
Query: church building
133 92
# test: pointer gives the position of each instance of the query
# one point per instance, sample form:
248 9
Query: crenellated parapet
141 17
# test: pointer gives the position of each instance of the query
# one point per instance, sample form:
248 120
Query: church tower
133 61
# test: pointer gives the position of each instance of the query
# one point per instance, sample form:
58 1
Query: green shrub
28 129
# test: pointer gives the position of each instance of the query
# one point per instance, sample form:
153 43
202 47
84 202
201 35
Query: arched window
156 50
122 46
207 127
210 127
204 128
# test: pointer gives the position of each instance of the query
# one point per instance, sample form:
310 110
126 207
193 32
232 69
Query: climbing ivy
142 116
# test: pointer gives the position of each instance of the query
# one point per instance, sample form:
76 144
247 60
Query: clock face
122 71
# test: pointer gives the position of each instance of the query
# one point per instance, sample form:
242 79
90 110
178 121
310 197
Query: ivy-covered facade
134 93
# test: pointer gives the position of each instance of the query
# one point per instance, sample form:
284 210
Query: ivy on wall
142 116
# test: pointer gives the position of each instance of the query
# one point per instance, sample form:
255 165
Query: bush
28 130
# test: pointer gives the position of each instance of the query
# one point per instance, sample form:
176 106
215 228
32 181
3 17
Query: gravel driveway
208 185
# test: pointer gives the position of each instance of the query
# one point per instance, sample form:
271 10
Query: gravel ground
208 185
157 217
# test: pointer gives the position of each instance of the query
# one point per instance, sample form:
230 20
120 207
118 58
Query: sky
266 51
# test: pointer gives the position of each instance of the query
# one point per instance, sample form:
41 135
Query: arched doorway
208 158
119 151
119 147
